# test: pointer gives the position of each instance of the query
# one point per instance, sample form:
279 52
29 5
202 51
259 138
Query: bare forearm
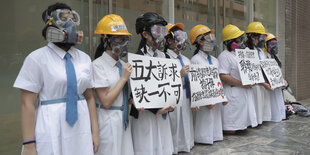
28 115
92 110
230 80
107 97
28 122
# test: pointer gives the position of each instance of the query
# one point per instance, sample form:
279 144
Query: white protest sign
206 86
155 82
273 72
249 66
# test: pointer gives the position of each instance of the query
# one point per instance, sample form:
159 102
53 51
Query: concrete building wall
297 53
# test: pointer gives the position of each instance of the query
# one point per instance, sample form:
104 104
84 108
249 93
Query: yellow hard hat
112 24
231 32
256 27
270 36
197 31
179 25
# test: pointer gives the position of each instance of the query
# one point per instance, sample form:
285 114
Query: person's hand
248 86
210 106
184 71
224 103
196 108
127 69
96 141
171 108
164 110
30 149
130 101
267 86
141 110
285 84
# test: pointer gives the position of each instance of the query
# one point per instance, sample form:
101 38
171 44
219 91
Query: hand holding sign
126 71
165 110
267 86
155 82
184 71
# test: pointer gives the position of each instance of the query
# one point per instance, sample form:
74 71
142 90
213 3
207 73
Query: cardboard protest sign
249 66
273 72
206 86
155 82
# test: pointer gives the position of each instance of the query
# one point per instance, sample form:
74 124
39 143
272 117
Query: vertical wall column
90 26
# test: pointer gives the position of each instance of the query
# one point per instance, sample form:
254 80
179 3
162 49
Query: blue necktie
259 55
125 97
72 95
210 60
186 78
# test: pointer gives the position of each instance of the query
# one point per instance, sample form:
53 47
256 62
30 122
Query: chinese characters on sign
155 82
272 72
206 86
249 66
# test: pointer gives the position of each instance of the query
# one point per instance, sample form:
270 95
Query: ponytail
197 49
142 43
100 49
103 46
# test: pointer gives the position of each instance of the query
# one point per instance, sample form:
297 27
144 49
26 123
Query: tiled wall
297 51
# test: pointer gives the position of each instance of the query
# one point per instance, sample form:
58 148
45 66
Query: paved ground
287 137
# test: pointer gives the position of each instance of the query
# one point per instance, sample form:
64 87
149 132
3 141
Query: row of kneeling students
69 121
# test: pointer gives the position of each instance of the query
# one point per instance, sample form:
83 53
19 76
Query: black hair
103 46
100 49
249 43
142 43
197 48
48 11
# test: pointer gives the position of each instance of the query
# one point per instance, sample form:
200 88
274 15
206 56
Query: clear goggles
273 43
119 39
180 35
206 37
62 16
241 39
159 30
262 37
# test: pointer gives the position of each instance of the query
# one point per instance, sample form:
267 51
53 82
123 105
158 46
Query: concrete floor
288 137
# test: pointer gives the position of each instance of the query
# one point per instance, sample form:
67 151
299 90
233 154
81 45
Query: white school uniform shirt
113 138
151 53
44 72
181 118
277 103
151 133
240 110
262 97
208 122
